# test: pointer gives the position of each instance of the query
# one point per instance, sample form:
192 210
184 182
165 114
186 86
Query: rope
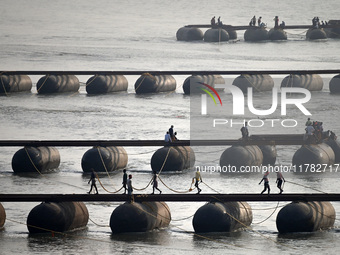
99 225
95 77
144 187
47 76
144 76
250 228
184 218
166 158
210 187
60 233
207 238
3 85
277 206
253 85
112 192
176 191
307 187
29 157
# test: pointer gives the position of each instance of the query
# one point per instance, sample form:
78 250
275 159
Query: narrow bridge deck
170 72
253 140
230 27
168 197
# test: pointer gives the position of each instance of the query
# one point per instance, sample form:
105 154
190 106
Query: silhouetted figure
279 180
198 179
276 19
124 181
245 131
266 183
167 137
129 185
254 21
155 184
93 181
213 21
259 21
171 131
219 22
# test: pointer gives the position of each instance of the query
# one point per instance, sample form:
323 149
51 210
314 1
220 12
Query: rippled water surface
141 35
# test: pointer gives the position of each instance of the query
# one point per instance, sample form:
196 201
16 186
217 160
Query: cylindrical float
15 83
140 217
57 216
35 159
316 33
310 156
232 34
216 35
148 83
106 83
189 34
335 145
222 217
312 82
335 31
334 84
269 154
103 159
193 84
240 157
256 34
57 84
176 158
260 82
305 217
277 34
2 216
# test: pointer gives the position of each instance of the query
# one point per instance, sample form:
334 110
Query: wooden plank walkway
169 197
253 140
170 72
231 27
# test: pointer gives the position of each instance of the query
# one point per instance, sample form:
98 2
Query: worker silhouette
279 181
198 179
266 182
155 184
124 181
93 181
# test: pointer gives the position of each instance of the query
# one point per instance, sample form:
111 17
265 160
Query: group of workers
252 22
127 182
279 181
317 24
314 131
170 135
213 21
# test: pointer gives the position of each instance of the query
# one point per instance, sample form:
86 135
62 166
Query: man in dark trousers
279 180
266 183
93 181
155 184
171 132
124 181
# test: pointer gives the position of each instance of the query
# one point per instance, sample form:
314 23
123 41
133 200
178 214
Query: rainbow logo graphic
209 93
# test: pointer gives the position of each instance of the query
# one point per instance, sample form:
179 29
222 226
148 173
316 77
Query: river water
131 35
